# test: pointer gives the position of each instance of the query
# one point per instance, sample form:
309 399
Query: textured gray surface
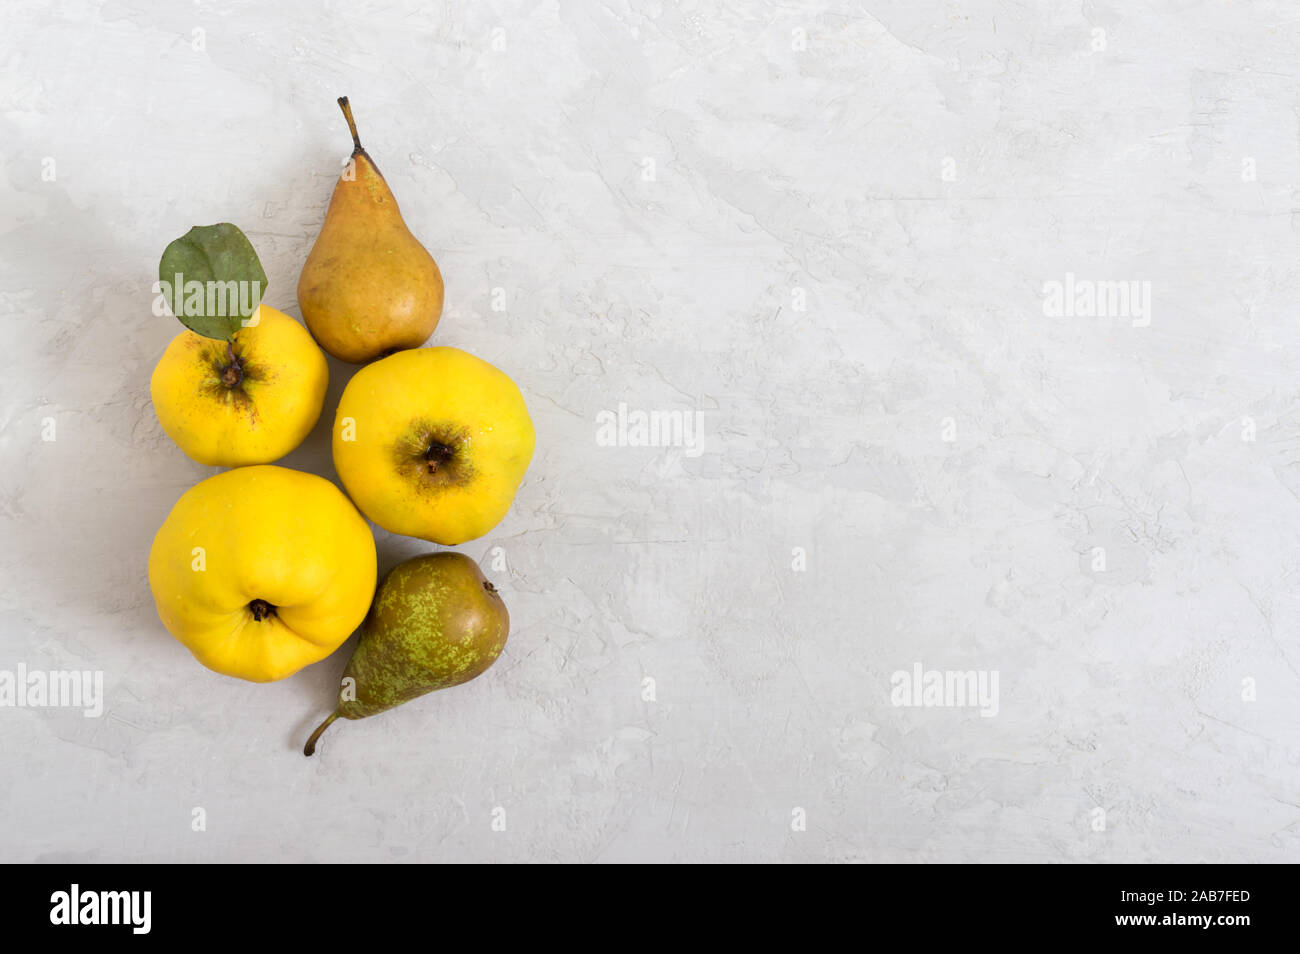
825 227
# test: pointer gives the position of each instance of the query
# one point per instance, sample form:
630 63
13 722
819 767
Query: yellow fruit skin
393 407
271 410
262 533
369 287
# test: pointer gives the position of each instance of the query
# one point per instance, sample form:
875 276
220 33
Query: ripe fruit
437 622
432 443
260 571
368 287
246 401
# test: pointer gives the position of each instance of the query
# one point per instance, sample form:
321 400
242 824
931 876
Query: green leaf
212 279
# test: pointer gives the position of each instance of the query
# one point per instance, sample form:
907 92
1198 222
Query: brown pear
369 287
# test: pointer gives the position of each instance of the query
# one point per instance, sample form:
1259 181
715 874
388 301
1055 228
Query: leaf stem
233 372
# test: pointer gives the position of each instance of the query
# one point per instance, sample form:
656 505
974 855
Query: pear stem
310 747
352 123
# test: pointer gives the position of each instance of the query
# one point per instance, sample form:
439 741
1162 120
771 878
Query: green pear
436 622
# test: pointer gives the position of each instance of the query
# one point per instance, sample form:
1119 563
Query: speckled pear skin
436 622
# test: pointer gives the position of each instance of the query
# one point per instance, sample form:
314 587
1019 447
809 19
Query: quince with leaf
245 383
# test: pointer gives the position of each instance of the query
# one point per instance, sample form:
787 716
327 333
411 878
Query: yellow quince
248 401
262 570
432 443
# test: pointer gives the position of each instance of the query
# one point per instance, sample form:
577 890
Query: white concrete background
777 168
